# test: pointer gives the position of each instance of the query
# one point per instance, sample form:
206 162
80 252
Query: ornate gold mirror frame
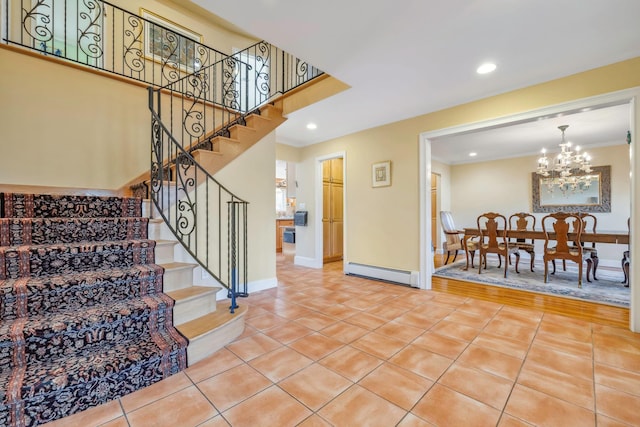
550 197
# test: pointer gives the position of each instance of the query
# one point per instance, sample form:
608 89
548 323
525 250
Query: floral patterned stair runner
83 317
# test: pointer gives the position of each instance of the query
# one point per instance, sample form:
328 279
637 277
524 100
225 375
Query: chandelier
569 170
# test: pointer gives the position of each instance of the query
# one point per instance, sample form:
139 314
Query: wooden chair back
493 239
493 232
589 225
557 228
522 221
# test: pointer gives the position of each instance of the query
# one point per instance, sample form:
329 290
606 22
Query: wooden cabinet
332 171
332 210
280 225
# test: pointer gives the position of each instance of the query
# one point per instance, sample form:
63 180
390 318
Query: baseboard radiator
403 277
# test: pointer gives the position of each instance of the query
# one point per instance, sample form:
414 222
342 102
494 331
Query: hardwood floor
591 312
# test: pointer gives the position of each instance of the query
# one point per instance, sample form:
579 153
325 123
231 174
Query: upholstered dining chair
453 242
559 224
626 259
493 239
523 221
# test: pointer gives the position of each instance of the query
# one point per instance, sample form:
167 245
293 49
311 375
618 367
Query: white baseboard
307 262
256 286
404 277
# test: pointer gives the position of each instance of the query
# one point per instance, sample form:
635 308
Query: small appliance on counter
300 218
289 235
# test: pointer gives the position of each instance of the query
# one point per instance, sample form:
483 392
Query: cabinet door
278 237
336 240
326 238
336 170
326 171
336 202
332 210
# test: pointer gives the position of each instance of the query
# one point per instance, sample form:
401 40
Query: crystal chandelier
569 170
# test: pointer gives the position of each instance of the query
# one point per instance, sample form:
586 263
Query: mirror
550 195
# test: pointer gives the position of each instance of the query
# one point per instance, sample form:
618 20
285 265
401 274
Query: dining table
614 237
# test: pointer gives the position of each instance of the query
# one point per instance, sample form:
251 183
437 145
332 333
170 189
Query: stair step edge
192 292
227 139
211 322
177 265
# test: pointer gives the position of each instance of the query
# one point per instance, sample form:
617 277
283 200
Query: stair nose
193 302
208 334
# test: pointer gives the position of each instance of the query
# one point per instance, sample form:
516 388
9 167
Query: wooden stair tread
203 152
175 265
209 322
163 241
226 138
244 127
192 292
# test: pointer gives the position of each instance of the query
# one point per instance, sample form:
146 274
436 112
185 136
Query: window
71 29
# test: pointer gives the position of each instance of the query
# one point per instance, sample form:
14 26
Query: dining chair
626 259
493 239
453 242
556 228
523 221
590 253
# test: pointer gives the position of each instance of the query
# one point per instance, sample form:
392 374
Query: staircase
221 150
84 318
198 313
206 322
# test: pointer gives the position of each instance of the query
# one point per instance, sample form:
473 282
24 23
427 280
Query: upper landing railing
100 35
103 36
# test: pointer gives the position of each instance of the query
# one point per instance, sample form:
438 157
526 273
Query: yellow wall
69 128
251 177
287 153
382 224
62 126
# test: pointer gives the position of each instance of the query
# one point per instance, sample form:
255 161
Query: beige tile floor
324 349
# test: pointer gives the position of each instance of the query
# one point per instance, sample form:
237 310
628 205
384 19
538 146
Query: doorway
627 96
332 210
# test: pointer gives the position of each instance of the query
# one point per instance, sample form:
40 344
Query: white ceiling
405 58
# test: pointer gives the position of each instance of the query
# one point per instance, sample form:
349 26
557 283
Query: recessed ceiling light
311 126
473 154
485 68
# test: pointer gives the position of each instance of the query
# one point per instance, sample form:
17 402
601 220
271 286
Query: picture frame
381 174
549 198
161 44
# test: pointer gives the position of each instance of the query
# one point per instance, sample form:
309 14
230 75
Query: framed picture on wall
381 174
168 42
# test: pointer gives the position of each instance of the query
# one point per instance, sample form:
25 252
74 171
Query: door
332 210
434 210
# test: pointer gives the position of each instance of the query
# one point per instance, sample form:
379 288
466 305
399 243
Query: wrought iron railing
209 220
188 115
100 35
196 94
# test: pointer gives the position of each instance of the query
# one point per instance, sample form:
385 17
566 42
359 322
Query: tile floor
324 349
